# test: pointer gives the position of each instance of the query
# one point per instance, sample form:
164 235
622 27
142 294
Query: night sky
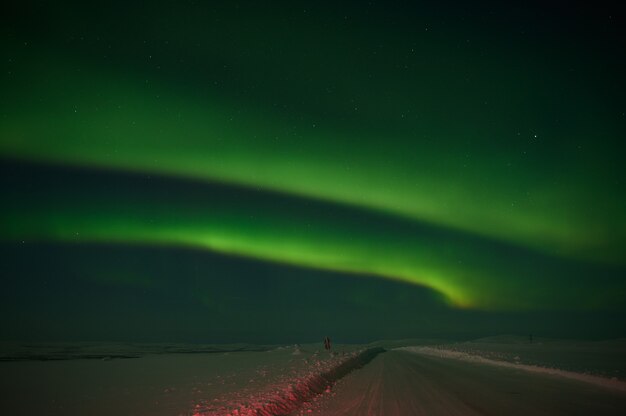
223 172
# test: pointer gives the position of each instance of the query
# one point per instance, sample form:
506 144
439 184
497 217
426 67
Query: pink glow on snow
290 393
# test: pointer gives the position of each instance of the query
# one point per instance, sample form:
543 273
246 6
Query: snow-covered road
406 383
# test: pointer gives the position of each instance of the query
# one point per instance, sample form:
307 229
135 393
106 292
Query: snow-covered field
606 359
400 383
177 380
498 374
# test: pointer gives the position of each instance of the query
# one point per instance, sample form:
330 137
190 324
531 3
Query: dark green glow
467 270
489 154
491 139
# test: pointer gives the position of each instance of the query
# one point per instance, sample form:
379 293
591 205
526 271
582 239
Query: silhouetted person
530 337
327 344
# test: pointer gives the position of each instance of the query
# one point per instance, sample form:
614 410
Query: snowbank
442 352
287 396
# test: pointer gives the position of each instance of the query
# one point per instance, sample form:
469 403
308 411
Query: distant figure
530 337
296 350
327 344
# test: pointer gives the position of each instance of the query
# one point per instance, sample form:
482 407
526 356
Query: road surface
405 383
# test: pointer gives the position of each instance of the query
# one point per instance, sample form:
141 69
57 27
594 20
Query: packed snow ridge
442 352
288 396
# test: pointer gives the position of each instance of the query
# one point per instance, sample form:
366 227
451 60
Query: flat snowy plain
491 376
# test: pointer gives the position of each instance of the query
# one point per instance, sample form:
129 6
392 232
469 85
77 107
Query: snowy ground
154 383
600 358
493 376
400 383
69 351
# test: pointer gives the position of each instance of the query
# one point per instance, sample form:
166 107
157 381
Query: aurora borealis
444 165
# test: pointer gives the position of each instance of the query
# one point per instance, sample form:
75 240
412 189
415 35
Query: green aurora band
559 210
492 141
467 270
